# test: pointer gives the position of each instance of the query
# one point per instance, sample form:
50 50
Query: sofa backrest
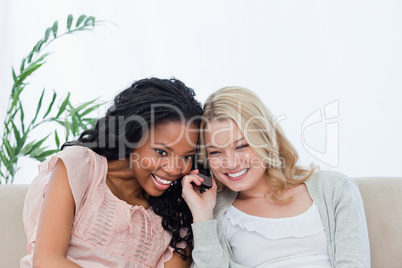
382 199
12 234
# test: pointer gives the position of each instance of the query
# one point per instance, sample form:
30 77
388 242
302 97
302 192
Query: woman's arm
352 248
208 251
55 222
177 261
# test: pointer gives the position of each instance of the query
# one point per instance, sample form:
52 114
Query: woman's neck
124 185
259 190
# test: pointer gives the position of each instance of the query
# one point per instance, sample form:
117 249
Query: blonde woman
269 212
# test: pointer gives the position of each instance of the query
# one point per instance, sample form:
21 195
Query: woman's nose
172 166
232 160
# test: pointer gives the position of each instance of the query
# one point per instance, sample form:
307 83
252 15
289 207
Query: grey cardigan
341 208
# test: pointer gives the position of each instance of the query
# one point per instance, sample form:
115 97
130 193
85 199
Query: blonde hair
262 133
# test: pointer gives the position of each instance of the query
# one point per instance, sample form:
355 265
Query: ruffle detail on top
306 224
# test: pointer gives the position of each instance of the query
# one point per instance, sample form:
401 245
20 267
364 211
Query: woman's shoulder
226 195
224 200
328 178
82 165
76 151
329 182
72 156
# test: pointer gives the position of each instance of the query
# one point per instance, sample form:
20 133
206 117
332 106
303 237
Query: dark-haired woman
111 198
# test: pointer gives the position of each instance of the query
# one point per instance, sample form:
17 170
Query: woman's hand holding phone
200 204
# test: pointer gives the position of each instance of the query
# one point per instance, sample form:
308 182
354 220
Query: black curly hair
148 102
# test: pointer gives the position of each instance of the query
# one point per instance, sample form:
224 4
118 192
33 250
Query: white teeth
162 180
237 174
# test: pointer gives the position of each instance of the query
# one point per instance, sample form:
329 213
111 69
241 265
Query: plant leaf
6 127
47 34
29 58
90 21
82 124
74 123
90 121
2 174
39 143
22 142
85 104
16 134
28 71
22 65
69 21
15 78
63 105
42 58
9 149
44 154
55 27
51 104
27 148
80 20
63 123
90 109
15 99
36 152
38 107
67 125
38 46
10 119
4 160
56 139
22 117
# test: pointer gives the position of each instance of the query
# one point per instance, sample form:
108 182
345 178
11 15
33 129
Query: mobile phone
204 173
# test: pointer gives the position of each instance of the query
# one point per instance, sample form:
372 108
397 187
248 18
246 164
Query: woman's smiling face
165 155
231 159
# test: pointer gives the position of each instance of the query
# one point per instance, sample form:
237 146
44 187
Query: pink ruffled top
106 231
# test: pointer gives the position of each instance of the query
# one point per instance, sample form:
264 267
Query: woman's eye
242 146
189 157
161 152
213 152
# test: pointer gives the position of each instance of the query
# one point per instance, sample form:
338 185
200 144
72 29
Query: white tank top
298 241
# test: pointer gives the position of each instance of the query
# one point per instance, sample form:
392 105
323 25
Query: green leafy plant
16 141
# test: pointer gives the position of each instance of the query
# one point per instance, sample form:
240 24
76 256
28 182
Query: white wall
299 56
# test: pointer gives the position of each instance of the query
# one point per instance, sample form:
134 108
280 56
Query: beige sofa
382 201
